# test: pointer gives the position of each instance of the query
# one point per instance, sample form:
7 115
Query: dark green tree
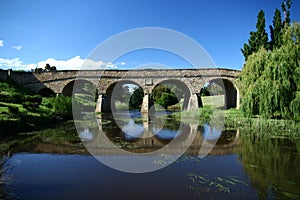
276 30
286 6
136 99
47 67
167 99
158 91
258 39
163 95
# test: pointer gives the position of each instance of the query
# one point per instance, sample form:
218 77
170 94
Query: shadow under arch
46 92
112 95
80 86
231 93
183 88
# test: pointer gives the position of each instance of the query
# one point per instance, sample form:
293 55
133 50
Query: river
130 161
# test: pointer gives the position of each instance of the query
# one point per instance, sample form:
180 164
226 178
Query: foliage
276 30
258 39
158 91
11 97
49 68
136 99
62 106
167 99
22 111
205 183
33 98
211 89
163 96
270 79
13 110
286 6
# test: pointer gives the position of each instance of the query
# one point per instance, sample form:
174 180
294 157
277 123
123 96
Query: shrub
167 99
13 110
62 106
11 97
33 99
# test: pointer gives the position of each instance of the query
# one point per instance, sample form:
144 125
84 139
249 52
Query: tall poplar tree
286 6
276 30
258 39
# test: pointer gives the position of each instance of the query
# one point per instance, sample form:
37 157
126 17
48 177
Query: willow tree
270 79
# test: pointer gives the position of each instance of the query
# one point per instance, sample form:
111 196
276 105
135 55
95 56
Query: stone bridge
191 81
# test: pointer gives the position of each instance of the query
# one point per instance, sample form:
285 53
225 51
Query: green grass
85 99
121 106
29 112
234 119
3 109
217 101
214 101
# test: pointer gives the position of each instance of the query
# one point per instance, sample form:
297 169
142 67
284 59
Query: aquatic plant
5 180
207 184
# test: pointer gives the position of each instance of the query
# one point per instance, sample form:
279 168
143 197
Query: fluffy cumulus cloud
70 64
17 47
1 43
15 63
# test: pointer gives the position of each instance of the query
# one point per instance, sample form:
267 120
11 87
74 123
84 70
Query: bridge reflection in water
141 135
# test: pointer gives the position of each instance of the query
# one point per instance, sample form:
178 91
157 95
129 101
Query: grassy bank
21 110
233 119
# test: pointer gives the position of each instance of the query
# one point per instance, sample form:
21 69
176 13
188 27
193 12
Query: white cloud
1 43
17 47
74 63
15 63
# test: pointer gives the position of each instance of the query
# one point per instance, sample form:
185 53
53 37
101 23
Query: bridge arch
68 88
231 92
112 94
81 86
46 92
183 88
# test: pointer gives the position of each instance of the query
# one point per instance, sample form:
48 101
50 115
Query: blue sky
63 33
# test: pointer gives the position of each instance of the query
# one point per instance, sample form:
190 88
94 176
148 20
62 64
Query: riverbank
23 111
233 119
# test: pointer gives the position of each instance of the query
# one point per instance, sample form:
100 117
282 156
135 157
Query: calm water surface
53 165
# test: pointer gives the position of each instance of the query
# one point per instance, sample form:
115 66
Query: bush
62 106
30 106
33 99
167 99
11 97
13 110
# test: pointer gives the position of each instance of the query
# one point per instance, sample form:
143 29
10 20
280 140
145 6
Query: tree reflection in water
272 164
